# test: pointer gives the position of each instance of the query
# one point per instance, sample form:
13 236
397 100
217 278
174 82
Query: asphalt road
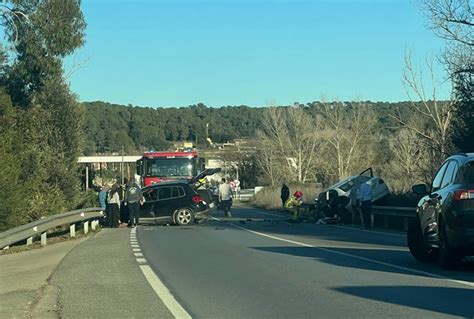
256 265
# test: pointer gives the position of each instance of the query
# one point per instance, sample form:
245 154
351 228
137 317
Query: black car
179 202
444 224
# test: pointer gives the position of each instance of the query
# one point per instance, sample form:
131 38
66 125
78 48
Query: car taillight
464 194
197 199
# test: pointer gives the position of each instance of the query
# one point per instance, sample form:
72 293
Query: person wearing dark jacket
285 194
133 199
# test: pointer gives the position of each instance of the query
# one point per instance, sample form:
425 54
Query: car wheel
448 257
184 216
417 244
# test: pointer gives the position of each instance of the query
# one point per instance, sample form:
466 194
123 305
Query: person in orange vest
293 205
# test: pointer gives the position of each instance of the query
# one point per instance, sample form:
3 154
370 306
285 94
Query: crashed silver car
344 187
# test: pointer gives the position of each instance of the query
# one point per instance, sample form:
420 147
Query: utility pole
121 167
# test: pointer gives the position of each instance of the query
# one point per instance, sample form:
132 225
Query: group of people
330 206
121 205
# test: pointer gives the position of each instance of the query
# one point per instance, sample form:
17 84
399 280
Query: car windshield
169 167
353 182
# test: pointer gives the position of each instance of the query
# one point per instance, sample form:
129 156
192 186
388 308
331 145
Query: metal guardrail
405 213
40 227
385 212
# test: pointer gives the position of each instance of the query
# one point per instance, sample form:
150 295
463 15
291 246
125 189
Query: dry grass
269 197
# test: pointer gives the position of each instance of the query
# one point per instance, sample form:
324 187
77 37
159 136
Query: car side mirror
420 189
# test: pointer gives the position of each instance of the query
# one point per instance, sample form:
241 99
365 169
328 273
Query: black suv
444 224
180 202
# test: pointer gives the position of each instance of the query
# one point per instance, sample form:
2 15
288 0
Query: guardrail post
29 241
72 230
86 227
93 225
372 218
43 239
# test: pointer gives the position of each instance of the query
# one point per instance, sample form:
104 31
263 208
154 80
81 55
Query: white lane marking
466 283
346 227
164 294
141 260
138 254
136 250
134 242
135 246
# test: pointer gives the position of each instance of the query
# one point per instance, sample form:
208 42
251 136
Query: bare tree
437 114
268 159
293 134
453 20
348 129
411 160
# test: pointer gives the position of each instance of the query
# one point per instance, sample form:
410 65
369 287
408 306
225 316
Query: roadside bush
88 199
269 197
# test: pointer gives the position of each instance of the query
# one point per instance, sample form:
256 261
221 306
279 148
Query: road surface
257 265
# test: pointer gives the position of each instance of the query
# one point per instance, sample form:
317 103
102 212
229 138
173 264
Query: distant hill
109 127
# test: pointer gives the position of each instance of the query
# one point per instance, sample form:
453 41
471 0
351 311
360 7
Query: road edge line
466 283
159 287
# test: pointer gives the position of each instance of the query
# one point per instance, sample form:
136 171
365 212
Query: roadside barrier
40 227
382 216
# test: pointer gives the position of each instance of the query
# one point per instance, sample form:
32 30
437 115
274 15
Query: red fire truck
155 167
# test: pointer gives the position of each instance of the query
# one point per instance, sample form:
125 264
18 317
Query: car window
449 174
164 193
178 191
353 182
469 173
435 185
149 194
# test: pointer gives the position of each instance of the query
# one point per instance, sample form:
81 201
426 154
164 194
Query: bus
155 167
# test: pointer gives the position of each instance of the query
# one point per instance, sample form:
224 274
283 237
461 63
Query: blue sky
257 53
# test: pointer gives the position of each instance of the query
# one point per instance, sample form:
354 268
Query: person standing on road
133 199
354 198
365 200
103 196
113 204
293 205
225 197
284 194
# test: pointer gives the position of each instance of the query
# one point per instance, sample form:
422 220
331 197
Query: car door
425 207
147 209
442 197
165 204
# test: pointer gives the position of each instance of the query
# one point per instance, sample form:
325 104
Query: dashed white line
138 254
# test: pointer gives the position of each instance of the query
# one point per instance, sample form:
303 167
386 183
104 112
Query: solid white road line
466 283
163 293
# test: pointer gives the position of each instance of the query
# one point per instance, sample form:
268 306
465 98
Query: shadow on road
451 301
340 257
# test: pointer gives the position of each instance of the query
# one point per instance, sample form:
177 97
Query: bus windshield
169 167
